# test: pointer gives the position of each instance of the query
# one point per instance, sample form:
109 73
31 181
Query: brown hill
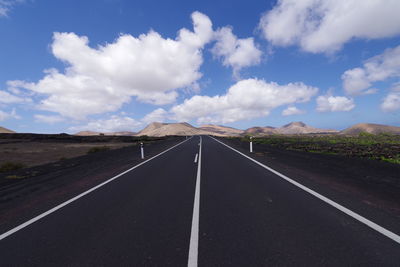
92 133
5 130
301 128
370 128
183 128
87 133
258 131
291 128
164 129
125 133
221 130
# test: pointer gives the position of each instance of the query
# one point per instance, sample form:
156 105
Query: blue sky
116 65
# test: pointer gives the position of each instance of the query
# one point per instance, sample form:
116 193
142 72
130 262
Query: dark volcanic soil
48 185
38 149
359 184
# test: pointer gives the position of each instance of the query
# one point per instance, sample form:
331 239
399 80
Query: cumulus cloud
334 103
292 110
8 115
158 115
235 53
323 26
391 102
378 68
113 124
7 98
97 80
50 119
246 99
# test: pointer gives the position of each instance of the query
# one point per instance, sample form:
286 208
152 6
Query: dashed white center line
194 235
50 211
195 158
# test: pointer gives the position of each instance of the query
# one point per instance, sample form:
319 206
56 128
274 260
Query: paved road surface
244 215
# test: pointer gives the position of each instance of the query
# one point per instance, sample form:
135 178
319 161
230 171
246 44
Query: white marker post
142 150
251 144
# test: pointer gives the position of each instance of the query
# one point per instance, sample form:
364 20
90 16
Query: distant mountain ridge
301 128
5 130
220 129
92 133
158 129
162 129
183 128
371 128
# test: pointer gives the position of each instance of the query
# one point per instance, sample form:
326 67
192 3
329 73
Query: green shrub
391 160
11 166
365 134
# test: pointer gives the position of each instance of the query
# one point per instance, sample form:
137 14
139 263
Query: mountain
221 130
5 130
126 133
291 128
163 129
258 131
87 133
91 133
370 128
300 128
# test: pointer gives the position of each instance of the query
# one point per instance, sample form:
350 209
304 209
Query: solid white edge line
37 218
343 209
194 234
195 158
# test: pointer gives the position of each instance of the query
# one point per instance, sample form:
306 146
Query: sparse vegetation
11 166
384 147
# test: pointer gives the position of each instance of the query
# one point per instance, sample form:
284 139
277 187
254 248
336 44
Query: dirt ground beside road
32 154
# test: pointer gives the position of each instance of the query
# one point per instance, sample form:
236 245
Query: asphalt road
242 215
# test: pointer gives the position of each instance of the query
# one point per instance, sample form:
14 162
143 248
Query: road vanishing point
200 203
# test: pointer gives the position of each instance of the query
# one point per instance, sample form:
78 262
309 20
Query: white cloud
378 68
292 110
102 79
395 87
236 53
158 115
48 118
323 26
7 98
8 115
113 124
334 103
7 5
391 102
246 99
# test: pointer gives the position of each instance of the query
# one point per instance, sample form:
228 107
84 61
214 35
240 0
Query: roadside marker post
251 144
141 150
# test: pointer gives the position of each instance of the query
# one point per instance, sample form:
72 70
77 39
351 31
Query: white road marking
194 235
343 209
37 218
195 158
